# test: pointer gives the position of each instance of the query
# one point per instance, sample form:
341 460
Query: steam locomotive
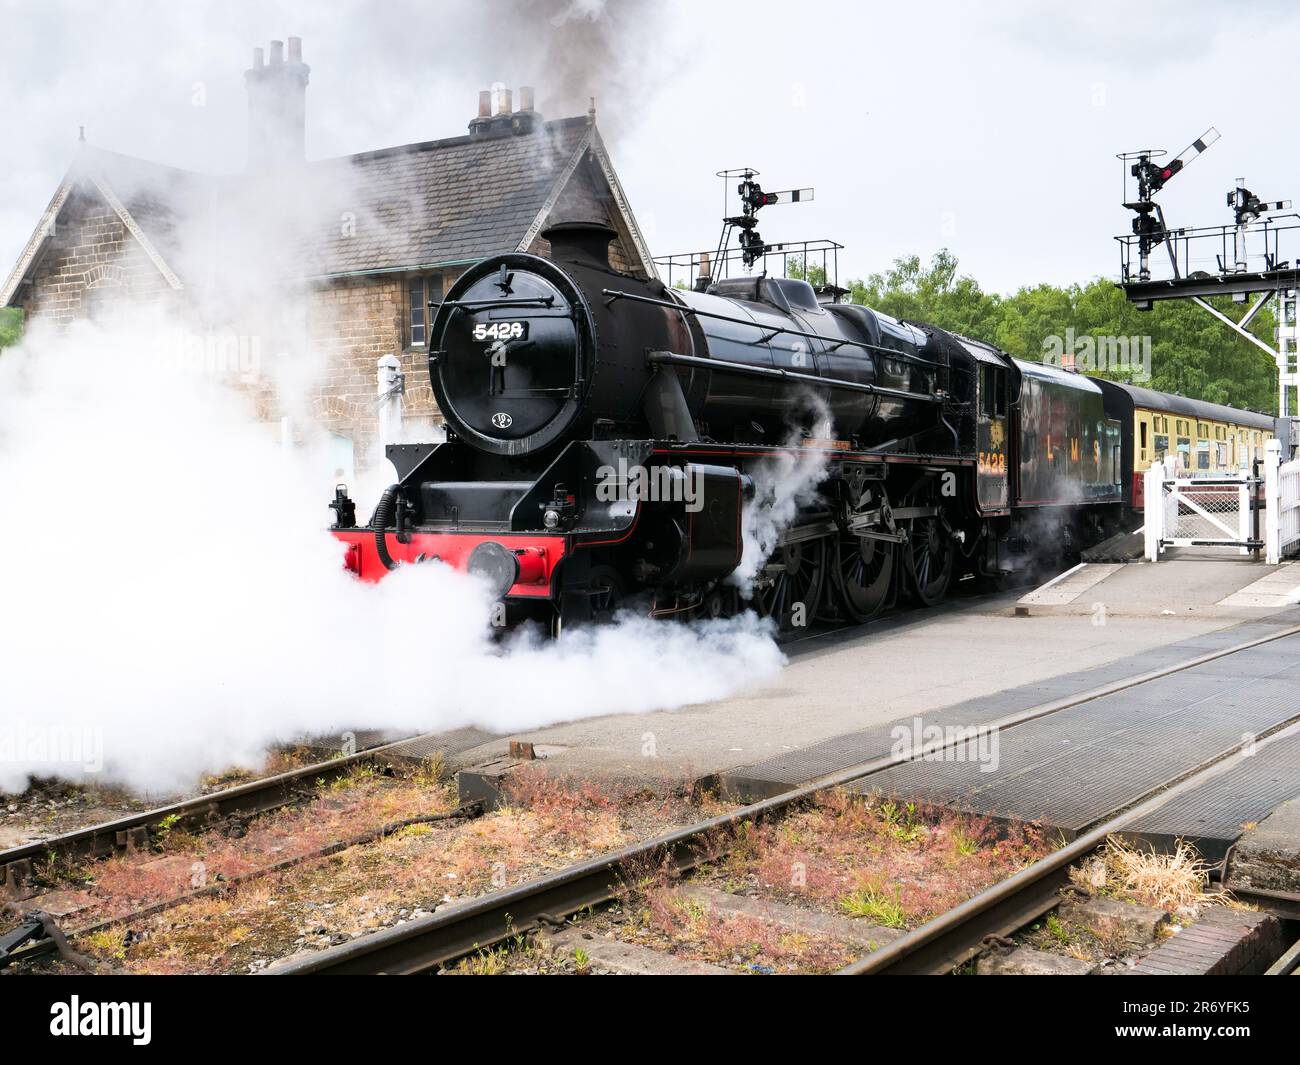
609 440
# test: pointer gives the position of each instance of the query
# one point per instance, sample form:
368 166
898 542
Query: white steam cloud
783 485
174 604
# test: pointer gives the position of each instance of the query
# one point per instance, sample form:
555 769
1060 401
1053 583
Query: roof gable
436 203
152 200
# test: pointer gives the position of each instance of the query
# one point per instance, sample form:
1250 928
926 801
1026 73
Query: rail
426 943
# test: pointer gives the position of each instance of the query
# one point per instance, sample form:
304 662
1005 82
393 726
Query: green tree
936 294
1191 352
11 326
815 275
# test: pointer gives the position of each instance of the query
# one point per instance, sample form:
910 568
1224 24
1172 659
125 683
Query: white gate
1198 511
1282 504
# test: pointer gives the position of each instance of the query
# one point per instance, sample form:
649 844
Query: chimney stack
506 121
277 107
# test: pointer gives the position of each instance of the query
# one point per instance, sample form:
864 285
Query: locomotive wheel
863 572
794 594
930 555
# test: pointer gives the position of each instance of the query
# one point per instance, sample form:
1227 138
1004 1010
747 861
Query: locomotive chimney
580 242
704 276
277 107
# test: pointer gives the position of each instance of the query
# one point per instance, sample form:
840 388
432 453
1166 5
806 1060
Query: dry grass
885 862
329 900
1177 882
682 926
890 862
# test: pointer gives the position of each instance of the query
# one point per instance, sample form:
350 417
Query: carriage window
1144 435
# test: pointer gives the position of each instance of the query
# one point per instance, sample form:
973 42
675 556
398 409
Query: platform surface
1072 769
777 774
844 686
1207 583
1218 812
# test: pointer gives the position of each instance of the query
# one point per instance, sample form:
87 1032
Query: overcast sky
987 128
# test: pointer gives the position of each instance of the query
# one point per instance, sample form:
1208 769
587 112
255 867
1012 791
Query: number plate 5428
500 330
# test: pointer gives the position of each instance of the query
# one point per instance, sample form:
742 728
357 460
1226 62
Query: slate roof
434 203
442 201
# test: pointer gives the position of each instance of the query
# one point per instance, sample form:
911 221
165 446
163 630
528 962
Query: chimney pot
277 105
485 104
503 102
525 97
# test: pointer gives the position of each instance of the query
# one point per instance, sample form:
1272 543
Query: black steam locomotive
606 435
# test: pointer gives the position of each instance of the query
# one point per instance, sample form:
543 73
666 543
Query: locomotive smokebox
581 242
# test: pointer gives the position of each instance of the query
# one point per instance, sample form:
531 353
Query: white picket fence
1282 504
1219 510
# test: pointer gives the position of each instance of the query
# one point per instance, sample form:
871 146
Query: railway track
938 946
241 801
955 937
266 794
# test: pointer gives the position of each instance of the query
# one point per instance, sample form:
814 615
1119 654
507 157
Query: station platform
1108 734
1207 584
840 695
1217 813
1072 769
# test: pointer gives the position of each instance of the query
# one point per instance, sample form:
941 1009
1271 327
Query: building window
418 311
421 291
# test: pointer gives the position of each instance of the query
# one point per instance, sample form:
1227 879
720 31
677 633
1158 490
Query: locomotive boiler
611 441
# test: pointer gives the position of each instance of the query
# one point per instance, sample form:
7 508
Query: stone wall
91 259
